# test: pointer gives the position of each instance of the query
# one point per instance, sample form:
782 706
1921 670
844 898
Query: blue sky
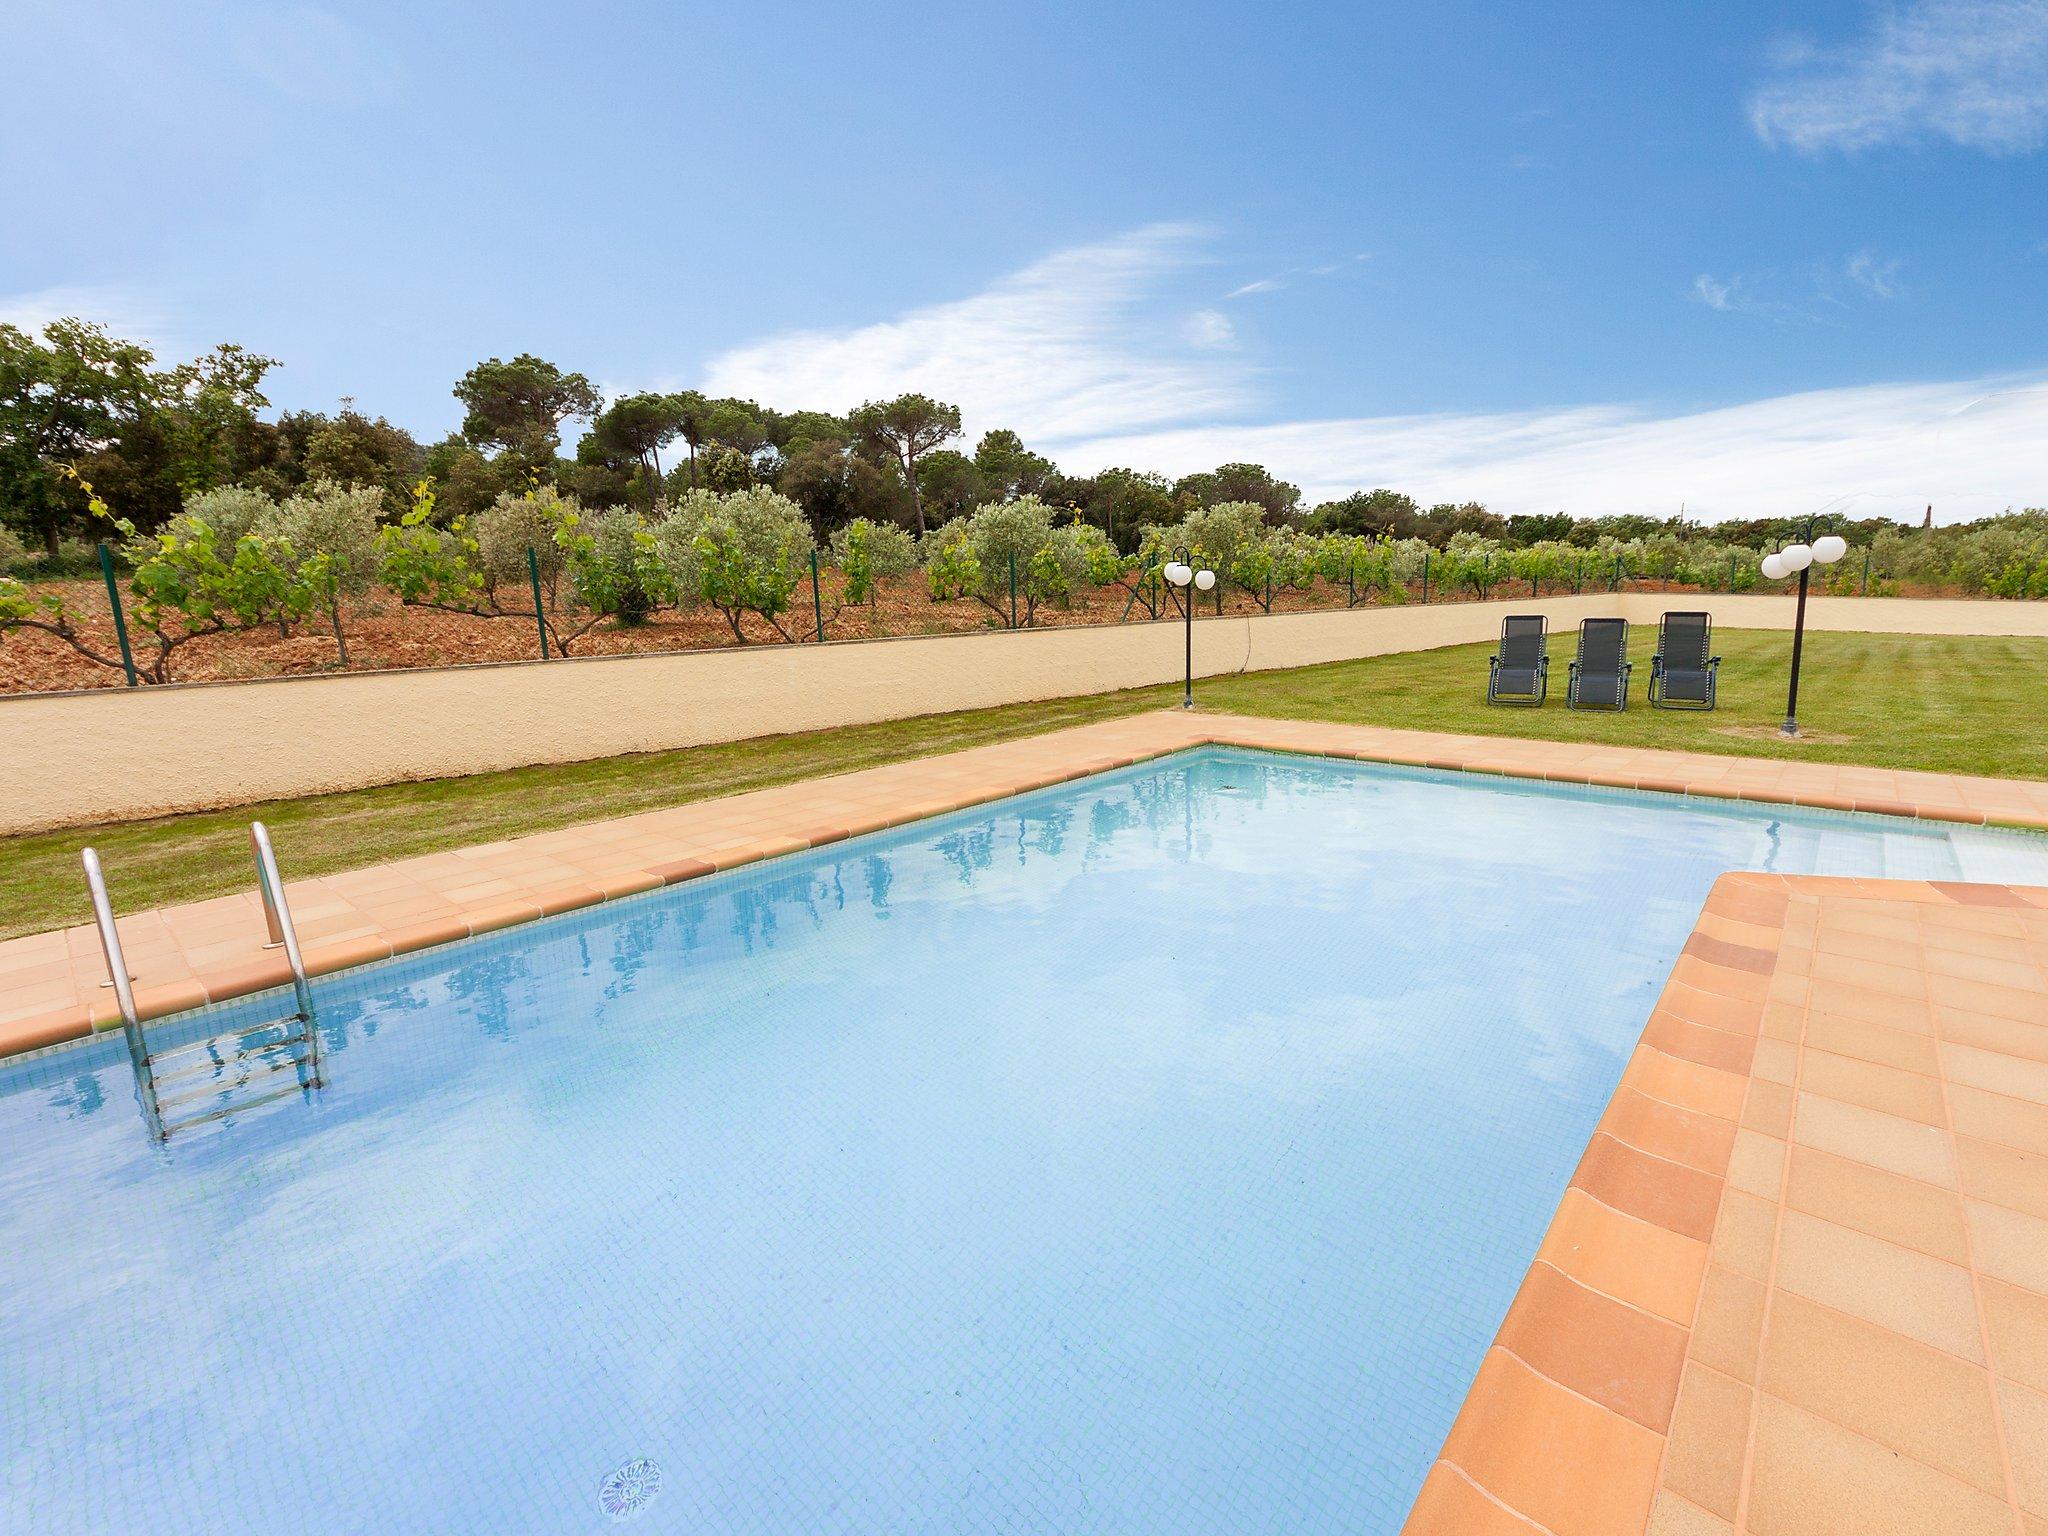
1600 257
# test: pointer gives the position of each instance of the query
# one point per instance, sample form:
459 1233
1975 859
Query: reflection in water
953 1179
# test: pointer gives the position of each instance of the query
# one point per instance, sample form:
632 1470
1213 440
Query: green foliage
870 553
1276 500
519 407
327 537
1050 562
907 428
427 564
744 552
13 553
613 563
513 524
951 567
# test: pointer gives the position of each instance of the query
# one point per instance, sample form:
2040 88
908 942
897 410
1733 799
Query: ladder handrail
271 923
124 994
279 911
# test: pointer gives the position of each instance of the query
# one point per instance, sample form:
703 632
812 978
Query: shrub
742 553
513 524
869 553
327 538
232 512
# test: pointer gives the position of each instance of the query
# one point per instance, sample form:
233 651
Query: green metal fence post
540 614
1351 581
120 619
1425 575
1013 589
1616 587
817 601
1866 572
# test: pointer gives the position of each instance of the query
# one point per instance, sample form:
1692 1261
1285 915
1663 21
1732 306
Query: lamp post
1801 557
1180 574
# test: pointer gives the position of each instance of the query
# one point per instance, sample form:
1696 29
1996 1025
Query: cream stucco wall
82 758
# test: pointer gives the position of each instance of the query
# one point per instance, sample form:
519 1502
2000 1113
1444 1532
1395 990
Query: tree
1009 469
71 394
908 427
1124 501
351 448
1380 514
834 484
519 407
743 553
329 534
636 427
1527 528
1445 521
1276 499
950 484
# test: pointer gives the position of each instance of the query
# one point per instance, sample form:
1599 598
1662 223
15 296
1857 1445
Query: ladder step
213 1067
291 1022
291 1064
237 1107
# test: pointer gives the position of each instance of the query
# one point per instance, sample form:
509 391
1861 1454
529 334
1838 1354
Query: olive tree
327 535
743 552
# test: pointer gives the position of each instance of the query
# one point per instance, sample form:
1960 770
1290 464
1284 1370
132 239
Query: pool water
1156 1153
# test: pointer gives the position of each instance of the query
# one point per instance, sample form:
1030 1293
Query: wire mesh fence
537 618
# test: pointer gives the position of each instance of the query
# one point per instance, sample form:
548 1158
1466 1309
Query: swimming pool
1154 1153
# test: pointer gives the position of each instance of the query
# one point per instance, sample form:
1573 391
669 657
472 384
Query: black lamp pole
1185 596
1791 725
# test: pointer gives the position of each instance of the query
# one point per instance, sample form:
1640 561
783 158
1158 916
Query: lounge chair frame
1705 668
1595 638
1524 650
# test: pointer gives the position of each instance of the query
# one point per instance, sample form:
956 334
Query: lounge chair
1682 673
1599 676
1519 672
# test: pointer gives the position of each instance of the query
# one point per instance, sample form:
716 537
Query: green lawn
1961 705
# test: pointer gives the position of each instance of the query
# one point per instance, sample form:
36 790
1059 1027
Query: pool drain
628 1489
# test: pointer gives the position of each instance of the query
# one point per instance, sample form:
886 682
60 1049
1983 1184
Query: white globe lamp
1204 579
1773 567
1829 548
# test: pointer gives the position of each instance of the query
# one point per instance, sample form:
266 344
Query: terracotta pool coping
187 956
1799 1281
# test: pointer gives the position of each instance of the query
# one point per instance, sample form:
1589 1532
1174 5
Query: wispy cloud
1971 72
1874 274
120 310
1208 328
1071 346
1970 447
1256 285
1713 292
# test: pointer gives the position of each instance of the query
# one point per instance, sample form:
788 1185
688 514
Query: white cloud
1065 348
118 309
1714 293
1257 285
1972 72
1208 328
1874 274
1970 447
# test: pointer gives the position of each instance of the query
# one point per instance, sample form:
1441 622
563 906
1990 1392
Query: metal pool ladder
225 1063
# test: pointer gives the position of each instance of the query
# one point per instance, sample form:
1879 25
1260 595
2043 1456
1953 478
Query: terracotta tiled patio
1799 1282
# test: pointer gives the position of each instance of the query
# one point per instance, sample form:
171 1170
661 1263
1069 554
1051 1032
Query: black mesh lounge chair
1599 677
1682 673
1519 672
